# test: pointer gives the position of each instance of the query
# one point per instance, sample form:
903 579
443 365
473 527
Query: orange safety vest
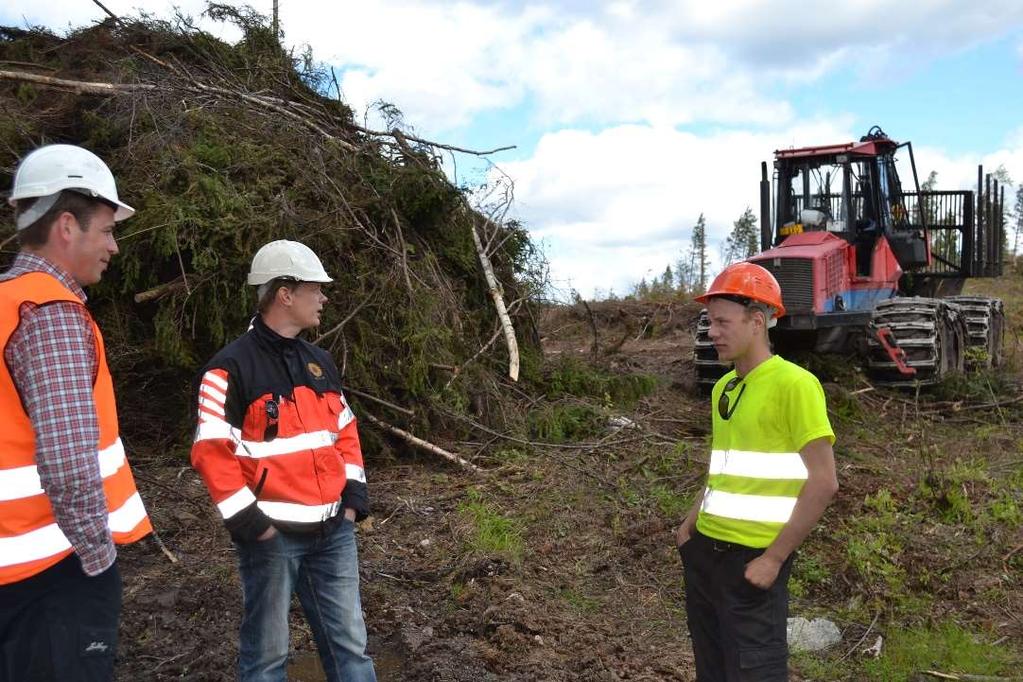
30 540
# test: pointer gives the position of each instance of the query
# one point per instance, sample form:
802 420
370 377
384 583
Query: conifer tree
743 242
699 259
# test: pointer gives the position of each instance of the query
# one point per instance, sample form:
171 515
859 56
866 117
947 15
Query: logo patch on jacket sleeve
315 370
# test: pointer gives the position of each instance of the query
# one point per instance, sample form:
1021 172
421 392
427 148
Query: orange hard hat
747 280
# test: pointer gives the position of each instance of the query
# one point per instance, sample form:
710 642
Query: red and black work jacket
276 442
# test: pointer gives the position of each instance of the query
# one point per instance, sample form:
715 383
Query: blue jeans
324 569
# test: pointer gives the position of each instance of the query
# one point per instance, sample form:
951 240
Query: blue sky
964 101
633 118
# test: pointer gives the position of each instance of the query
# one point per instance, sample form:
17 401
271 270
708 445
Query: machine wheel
931 331
985 322
705 358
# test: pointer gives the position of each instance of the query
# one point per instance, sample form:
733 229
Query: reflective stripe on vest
30 540
750 495
22 482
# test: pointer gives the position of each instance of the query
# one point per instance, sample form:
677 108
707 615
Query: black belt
722 545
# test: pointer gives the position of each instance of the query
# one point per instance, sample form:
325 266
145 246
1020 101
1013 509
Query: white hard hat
51 169
284 258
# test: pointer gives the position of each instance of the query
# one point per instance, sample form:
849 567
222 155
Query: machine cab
853 191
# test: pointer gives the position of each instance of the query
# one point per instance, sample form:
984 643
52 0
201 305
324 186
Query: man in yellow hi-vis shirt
772 474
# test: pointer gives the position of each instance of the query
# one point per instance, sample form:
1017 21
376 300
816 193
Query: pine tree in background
944 243
1018 211
700 261
927 185
744 241
691 269
666 284
684 272
1008 212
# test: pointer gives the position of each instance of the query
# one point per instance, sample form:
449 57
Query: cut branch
341 325
381 401
162 290
282 107
401 137
97 88
420 443
457 371
966 677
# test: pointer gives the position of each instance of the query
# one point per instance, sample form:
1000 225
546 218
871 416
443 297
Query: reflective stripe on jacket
276 441
30 539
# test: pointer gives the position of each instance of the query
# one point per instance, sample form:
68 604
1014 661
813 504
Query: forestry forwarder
866 267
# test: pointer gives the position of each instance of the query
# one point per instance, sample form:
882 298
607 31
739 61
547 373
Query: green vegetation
558 423
491 532
216 177
808 571
569 376
670 503
582 397
947 648
580 601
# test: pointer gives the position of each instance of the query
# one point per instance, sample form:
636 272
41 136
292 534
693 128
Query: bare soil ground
583 582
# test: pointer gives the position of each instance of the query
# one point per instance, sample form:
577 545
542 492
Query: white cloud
666 62
663 63
620 204
960 172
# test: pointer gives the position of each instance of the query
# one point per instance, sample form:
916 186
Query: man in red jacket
278 449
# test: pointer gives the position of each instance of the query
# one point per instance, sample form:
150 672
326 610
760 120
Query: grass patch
807 571
492 532
873 546
953 492
580 601
907 652
949 649
669 502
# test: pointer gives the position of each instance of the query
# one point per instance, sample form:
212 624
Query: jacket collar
271 338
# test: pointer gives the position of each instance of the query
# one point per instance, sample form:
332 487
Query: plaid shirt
52 360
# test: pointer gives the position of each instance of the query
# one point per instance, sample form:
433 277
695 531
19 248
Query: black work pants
60 624
738 630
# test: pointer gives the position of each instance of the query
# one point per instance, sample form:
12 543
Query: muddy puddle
388 659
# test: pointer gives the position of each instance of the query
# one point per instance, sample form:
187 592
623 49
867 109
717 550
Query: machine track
985 322
932 332
708 368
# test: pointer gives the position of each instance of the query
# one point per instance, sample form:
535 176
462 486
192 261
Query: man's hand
267 534
763 571
350 514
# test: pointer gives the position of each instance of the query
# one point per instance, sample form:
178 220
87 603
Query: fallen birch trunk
502 309
81 87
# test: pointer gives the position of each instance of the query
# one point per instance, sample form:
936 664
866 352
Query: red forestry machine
866 266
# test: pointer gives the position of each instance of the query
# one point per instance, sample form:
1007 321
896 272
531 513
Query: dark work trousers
738 630
60 625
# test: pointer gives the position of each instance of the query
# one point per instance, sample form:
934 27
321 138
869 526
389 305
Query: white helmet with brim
50 170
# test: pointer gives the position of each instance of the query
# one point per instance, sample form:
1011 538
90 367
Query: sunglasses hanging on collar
723 401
